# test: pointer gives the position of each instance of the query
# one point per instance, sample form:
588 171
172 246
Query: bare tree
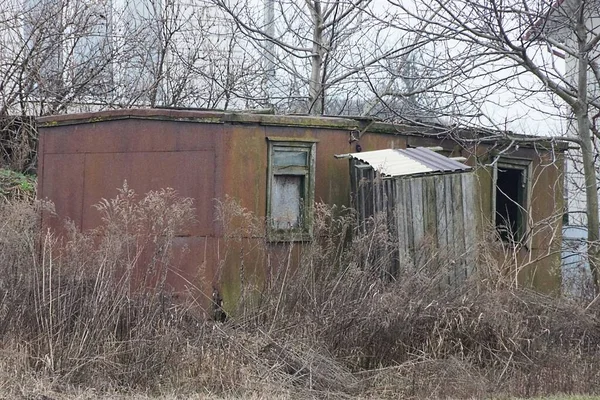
61 56
177 54
500 46
320 50
74 55
54 54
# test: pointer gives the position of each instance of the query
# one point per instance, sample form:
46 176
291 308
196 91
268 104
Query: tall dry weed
94 307
343 297
341 314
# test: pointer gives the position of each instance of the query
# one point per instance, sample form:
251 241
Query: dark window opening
510 203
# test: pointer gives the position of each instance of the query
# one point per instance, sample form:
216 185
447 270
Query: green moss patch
16 186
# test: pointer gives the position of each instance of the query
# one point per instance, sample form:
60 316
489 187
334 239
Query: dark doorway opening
510 203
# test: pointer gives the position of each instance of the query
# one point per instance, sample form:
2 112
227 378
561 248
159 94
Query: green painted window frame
302 232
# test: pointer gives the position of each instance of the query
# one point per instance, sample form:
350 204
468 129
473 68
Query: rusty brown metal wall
245 172
84 163
206 156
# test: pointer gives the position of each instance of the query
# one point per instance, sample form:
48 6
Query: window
511 199
291 172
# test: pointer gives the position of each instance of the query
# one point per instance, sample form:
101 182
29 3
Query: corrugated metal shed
427 204
416 161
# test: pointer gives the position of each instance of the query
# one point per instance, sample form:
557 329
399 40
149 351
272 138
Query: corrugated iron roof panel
401 162
435 160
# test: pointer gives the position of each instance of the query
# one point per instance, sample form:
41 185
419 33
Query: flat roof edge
200 117
307 121
121 114
365 125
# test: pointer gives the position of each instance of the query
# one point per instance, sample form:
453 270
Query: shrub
79 306
94 309
16 186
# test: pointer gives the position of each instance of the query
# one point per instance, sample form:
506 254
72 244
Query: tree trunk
589 170
591 192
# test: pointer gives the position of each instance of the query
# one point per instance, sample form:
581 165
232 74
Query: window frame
525 166
304 231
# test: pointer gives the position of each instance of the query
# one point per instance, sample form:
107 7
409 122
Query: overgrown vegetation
18 144
16 186
77 312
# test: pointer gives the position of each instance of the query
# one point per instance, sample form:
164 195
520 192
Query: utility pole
269 50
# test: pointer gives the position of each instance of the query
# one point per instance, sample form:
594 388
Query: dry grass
81 317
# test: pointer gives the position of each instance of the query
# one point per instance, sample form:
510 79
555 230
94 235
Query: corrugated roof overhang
405 162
